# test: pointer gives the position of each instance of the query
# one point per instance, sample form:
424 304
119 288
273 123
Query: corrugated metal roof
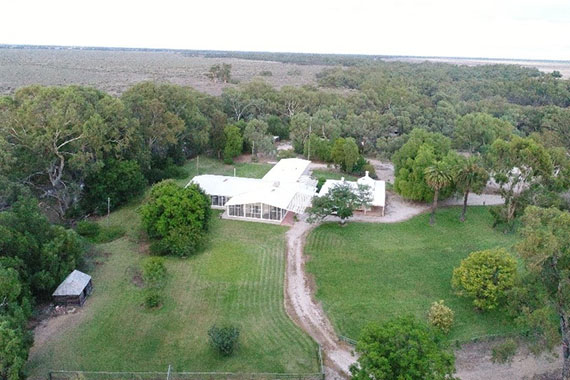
287 170
73 284
378 188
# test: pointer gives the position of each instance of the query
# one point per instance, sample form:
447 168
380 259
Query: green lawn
332 174
238 279
206 165
373 272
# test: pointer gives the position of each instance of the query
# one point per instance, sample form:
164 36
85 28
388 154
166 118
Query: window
236 210
214 200
276 213
253 210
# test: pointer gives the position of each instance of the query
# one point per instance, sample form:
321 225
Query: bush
320 182
440 316
176 218
152 298
108 234
485 276
224 339
504 352
370 169
87 229
266 73
290 153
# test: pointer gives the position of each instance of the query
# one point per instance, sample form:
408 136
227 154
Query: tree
234 143
341 200
545 249
256 135
176 218
345 154
118 181
470 177
423 149
485 276
476 131
516 165
402 349
437 176
221 72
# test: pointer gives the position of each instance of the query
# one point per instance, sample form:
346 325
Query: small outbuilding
73 290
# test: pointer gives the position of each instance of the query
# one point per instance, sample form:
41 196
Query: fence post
321 362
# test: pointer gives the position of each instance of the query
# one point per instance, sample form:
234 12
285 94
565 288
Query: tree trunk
433 208
565 329
464 206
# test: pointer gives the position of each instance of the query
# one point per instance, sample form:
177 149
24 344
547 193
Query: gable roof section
287 170
377 188
73 284
225 185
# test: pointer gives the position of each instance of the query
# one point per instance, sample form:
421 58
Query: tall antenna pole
197 165
108 209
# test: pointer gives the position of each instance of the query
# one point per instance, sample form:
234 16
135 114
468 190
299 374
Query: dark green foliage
176 218
233 143
402 349
422 150
277 127
317 149
118 180
154 276
87 229
345 154
320 182
505 351
224 339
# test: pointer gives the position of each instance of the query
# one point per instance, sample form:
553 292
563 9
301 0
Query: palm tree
470 177
437 176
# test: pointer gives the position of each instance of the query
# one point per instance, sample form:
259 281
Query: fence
172 375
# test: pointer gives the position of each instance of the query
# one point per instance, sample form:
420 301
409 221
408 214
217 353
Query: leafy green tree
277 127
517 165
437 177
470 177
234 143
299 130
440 316
177 217
423 149
256 135
476 131
221 72
320 148
13 351
120 181
341 200
485 276
545 249
402 348
345 154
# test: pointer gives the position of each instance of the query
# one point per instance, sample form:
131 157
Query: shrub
505 351
177 217
290 153
320 182
108 234
154 272
485 276
152 298
87 229
224 339
370 169
266 73
440 316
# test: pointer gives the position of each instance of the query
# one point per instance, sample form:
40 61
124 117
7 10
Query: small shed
74 289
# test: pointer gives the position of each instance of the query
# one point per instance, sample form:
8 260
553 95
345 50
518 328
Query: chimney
367 173
342 179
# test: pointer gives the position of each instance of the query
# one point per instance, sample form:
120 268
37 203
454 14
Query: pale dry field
115 71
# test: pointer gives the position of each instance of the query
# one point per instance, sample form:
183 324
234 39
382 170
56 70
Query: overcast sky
533 29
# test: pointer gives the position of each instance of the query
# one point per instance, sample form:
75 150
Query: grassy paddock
373 272
238 279
206 165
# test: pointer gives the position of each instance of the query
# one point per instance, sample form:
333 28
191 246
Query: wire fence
169 374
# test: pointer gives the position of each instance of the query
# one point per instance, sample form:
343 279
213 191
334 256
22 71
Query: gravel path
473 360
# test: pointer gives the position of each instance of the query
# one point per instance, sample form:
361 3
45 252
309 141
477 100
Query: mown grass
374 272
237 279
333 174
206 165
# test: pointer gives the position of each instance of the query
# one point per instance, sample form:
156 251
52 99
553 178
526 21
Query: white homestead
377 190
285 188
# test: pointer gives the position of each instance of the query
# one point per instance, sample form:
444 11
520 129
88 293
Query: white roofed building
377 191
285 188
74 289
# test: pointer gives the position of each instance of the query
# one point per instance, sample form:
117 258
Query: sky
528 29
